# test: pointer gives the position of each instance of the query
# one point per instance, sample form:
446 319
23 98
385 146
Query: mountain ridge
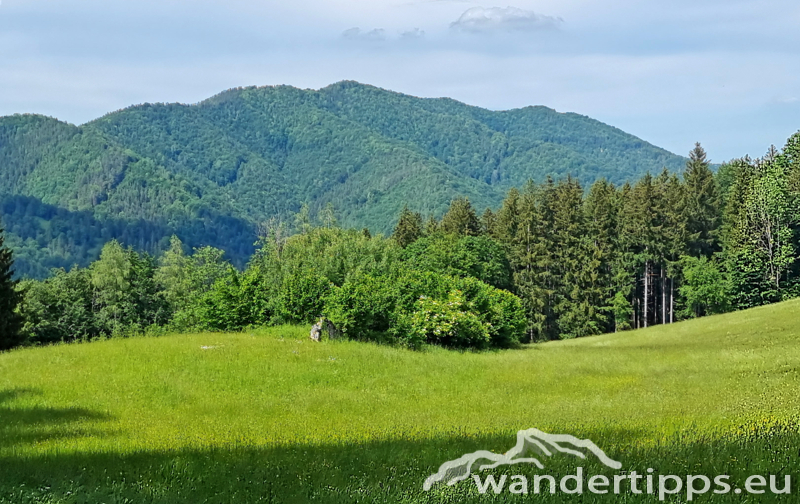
255 153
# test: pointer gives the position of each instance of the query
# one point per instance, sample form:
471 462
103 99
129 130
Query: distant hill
212 171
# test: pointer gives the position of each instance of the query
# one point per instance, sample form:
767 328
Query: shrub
449 322
363 308
302 296
235 301
706 290
419 307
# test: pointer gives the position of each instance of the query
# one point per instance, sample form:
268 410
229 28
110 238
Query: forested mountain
213 171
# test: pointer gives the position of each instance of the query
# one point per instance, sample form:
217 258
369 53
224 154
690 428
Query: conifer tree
673 241
624 266
506 227
488 222
10 320
601 209
639 232
527 259
409 228
431 226
575 287
701 206
461 219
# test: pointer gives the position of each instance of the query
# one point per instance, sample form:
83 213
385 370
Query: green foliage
426 307
622 311
553 262
235 301
480 257
61 308
302 295
409 228
334 253
174 275
706 290
211 172
701 204
761 227
10 319
460 219
126 295
501 311
364 308
449 322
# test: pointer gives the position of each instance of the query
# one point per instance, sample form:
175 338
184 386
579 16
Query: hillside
270 416
212 171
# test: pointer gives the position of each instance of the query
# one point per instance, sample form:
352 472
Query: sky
725 73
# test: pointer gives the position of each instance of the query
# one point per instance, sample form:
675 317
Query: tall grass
269 416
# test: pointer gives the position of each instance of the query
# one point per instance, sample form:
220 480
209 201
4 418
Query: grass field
269 416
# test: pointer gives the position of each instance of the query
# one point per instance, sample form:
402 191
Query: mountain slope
250 154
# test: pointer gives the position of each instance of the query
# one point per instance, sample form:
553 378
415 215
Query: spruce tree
10 320
461 219
576 291
701 205
507 221
673 241
431 226
409 228
601 209
527 259
488 222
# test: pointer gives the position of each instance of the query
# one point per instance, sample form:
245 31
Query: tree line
555 260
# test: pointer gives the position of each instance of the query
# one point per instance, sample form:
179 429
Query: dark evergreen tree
488 222
409 228
601 210
461 219
639 232
10 320
701 206
575 308
507 222
431 226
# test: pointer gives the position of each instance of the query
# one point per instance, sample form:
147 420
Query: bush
302 296
236 301
449 322
705 289
364 307
425 307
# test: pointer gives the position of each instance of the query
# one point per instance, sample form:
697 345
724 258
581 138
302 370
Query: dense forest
213 173
555 260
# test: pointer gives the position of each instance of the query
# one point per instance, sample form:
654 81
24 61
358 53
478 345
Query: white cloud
415 34
499 19
376 35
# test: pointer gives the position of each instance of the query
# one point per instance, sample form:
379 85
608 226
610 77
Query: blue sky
725 73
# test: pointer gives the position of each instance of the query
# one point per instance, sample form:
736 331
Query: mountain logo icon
530 441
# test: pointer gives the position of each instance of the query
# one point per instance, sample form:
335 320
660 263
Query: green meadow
270 416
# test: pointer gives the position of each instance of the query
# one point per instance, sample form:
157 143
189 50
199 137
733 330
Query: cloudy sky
722 72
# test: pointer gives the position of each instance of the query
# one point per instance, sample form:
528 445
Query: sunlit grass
664 388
